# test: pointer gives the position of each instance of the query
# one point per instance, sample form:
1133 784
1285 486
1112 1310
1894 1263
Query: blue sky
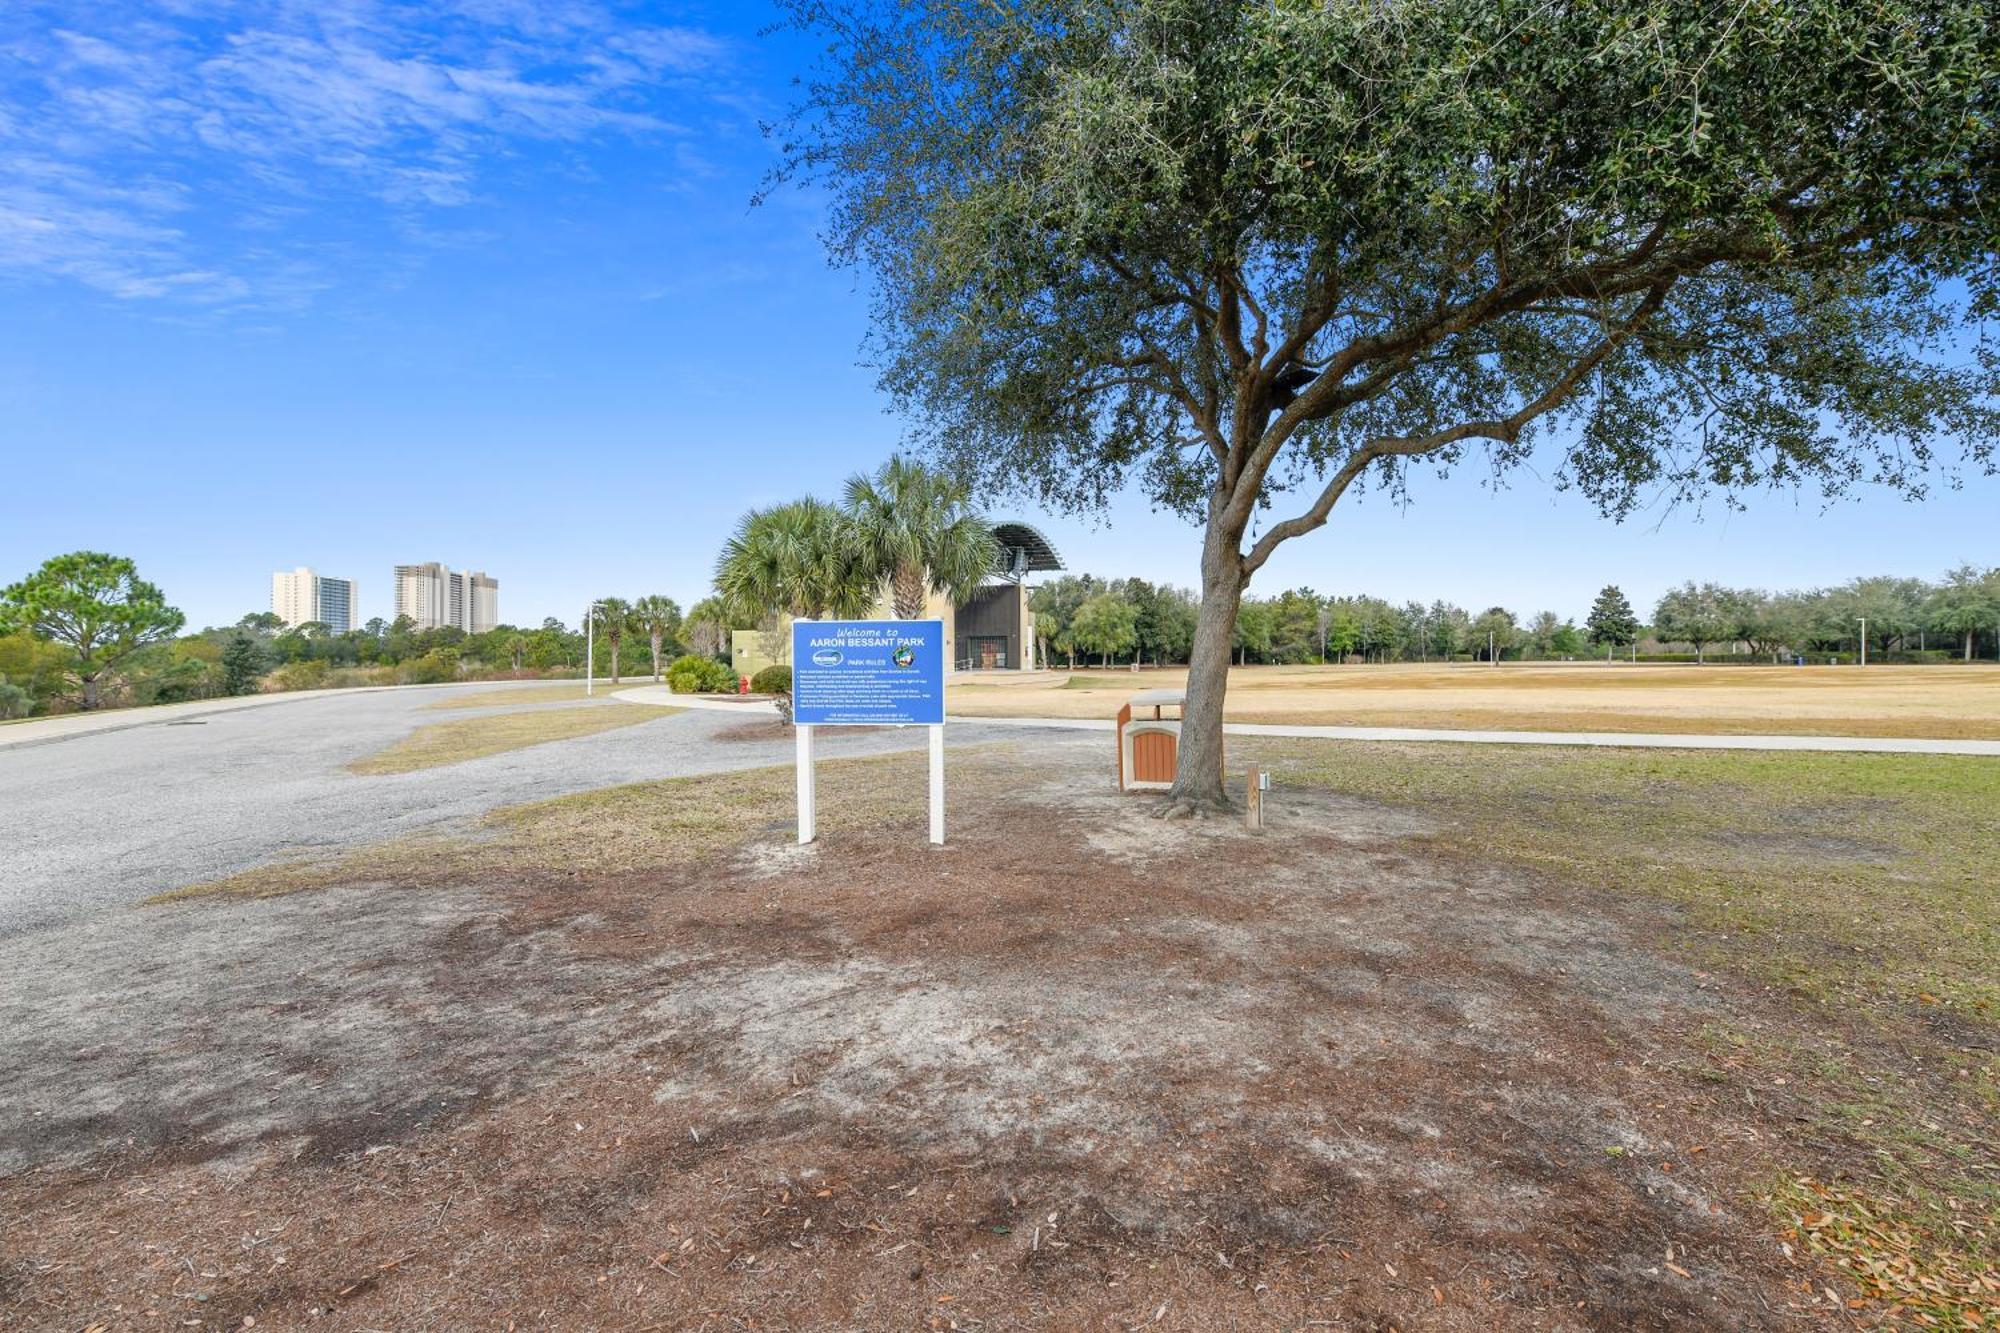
353 284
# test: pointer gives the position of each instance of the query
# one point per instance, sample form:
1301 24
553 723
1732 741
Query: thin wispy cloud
140 142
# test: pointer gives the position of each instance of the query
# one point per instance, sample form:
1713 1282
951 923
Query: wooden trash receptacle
1148 740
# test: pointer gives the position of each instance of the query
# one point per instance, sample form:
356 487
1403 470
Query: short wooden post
1253 801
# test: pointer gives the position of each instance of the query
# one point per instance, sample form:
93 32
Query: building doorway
989 654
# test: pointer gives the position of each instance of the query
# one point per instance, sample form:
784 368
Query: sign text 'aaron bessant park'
860 673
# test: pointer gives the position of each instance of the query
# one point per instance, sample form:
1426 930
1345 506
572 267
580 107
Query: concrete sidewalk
661 695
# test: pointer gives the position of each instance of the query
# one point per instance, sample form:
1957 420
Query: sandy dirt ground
1930 701
1077 1069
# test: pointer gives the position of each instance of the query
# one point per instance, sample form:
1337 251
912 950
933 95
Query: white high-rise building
302 596
434 596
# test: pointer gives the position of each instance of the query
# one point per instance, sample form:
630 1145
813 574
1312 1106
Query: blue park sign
857 673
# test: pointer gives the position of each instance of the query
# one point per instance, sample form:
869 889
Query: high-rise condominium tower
302 596
433 596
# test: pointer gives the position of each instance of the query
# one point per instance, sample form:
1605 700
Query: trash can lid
1153 698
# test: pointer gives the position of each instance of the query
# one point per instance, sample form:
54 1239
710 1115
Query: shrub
14 701
697 675
308 675
434 668
776 681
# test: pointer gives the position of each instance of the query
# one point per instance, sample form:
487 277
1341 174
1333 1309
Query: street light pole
590 650
1864 639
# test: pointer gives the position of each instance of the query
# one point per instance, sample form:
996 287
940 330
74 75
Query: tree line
86 631
1132 620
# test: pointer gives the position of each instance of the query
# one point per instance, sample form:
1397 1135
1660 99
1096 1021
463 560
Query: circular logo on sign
905 656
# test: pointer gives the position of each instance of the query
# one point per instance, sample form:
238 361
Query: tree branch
1506 429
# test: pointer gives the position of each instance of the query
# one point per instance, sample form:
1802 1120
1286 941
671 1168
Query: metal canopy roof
1037 555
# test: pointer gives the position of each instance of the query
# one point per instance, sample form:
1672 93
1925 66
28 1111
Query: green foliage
311 675
1967 604
699 675
14 701
35 665
1496 631
659 620
773 679
242 664
1255 624
1054 605
706 628
913 527
436 667
798 559
1611 622
1700 614
1105 625
1103 232
97 608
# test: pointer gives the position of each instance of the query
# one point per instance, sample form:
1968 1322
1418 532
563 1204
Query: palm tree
797 558
706 623
658 617
613 615
915 528
517 645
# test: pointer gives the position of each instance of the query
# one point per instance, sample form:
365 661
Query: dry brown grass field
1922 701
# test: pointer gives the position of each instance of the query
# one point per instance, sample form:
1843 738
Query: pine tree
242 663
1611 621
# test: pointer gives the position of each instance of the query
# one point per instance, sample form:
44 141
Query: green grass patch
1862 886
477 737
1126 682
1847 877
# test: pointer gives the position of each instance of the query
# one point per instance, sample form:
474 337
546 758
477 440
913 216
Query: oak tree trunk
1197 788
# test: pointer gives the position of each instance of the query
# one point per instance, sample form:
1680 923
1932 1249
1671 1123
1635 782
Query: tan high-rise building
482 602
434 596
423 593
301 597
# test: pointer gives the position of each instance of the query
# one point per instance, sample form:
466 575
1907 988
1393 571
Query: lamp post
1864 639
590 650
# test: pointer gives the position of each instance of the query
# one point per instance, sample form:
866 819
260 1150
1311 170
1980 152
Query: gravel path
110 818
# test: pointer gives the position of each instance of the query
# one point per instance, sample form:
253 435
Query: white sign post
808 810
867 673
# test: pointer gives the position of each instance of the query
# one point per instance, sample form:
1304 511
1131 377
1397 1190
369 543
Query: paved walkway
46 730
657 694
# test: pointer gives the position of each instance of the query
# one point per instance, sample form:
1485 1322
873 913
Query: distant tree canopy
1253 255
1612 622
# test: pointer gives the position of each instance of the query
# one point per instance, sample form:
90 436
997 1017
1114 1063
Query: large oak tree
1259 255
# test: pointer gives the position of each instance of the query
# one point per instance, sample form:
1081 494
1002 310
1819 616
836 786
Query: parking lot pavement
112 817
